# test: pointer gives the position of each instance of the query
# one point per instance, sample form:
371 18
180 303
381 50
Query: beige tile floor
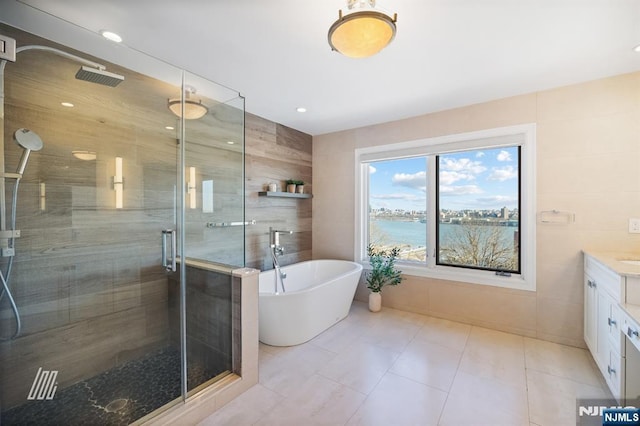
399 368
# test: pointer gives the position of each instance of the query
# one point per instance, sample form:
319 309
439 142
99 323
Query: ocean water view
411 235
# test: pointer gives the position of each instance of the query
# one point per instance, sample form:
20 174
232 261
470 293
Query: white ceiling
447 53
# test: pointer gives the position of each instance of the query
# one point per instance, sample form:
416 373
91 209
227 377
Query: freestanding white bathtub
318 294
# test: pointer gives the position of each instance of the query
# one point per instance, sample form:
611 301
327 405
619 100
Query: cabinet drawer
604 278
632 330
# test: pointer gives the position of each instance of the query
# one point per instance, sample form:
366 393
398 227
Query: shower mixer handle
5 236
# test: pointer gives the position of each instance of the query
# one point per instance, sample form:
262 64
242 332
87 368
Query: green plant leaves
383 271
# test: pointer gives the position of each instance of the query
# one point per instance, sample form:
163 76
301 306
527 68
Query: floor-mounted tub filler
318 294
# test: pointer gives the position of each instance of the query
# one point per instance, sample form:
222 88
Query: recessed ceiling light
637 48
109 35
231 142
169 127
67 104
301 109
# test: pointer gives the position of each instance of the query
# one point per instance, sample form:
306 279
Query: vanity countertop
612 260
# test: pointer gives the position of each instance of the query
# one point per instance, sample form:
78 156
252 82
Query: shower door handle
169 262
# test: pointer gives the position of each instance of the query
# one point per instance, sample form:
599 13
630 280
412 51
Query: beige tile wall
588 162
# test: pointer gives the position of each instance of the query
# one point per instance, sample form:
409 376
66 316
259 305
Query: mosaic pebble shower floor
116 397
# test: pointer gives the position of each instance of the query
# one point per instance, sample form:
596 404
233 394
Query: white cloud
450 177
415 180
372 169
480 154
462 165
447 190
503 156
502 174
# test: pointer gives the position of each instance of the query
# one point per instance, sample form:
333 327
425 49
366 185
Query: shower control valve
8 252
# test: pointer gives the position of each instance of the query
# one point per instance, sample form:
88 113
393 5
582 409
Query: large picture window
459 207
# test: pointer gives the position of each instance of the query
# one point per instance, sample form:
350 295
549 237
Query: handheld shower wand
29 141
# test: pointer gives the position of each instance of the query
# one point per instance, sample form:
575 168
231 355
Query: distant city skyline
484 179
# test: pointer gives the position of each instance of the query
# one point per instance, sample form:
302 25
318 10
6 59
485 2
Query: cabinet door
616 322
614 374
603 341
590 313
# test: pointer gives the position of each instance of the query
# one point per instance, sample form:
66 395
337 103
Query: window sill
515 281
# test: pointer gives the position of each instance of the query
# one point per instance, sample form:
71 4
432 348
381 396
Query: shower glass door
98 311
214 222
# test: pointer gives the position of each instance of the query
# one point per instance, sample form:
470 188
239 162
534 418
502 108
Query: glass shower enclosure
116 251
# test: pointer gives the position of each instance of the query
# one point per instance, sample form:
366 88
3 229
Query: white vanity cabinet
603 321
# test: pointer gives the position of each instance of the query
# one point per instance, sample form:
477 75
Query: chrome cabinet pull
169 262
611 322
591 283
611 370
631 332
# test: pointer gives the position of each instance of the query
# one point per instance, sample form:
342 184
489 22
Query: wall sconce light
191 187
118 183
43 197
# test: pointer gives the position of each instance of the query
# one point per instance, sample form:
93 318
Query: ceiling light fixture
301 109
362 33
192 109
110 35
67 104
637 48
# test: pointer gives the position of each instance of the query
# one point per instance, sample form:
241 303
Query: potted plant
291 185
294 184
383 272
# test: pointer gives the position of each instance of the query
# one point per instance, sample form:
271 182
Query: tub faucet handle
274 235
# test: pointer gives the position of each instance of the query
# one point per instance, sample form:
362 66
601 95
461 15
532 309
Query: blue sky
479 179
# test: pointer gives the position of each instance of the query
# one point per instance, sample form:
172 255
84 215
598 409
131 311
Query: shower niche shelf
283 194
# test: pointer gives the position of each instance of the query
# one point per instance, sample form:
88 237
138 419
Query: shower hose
4 276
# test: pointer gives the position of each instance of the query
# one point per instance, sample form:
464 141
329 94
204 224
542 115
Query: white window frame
520 135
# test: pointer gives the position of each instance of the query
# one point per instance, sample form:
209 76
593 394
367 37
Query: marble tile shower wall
87 276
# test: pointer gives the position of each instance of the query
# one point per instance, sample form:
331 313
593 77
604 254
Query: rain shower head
95 75
29 141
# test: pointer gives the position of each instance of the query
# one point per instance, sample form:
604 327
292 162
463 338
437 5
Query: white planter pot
375 302
300 189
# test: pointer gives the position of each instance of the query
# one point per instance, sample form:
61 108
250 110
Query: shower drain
116 405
